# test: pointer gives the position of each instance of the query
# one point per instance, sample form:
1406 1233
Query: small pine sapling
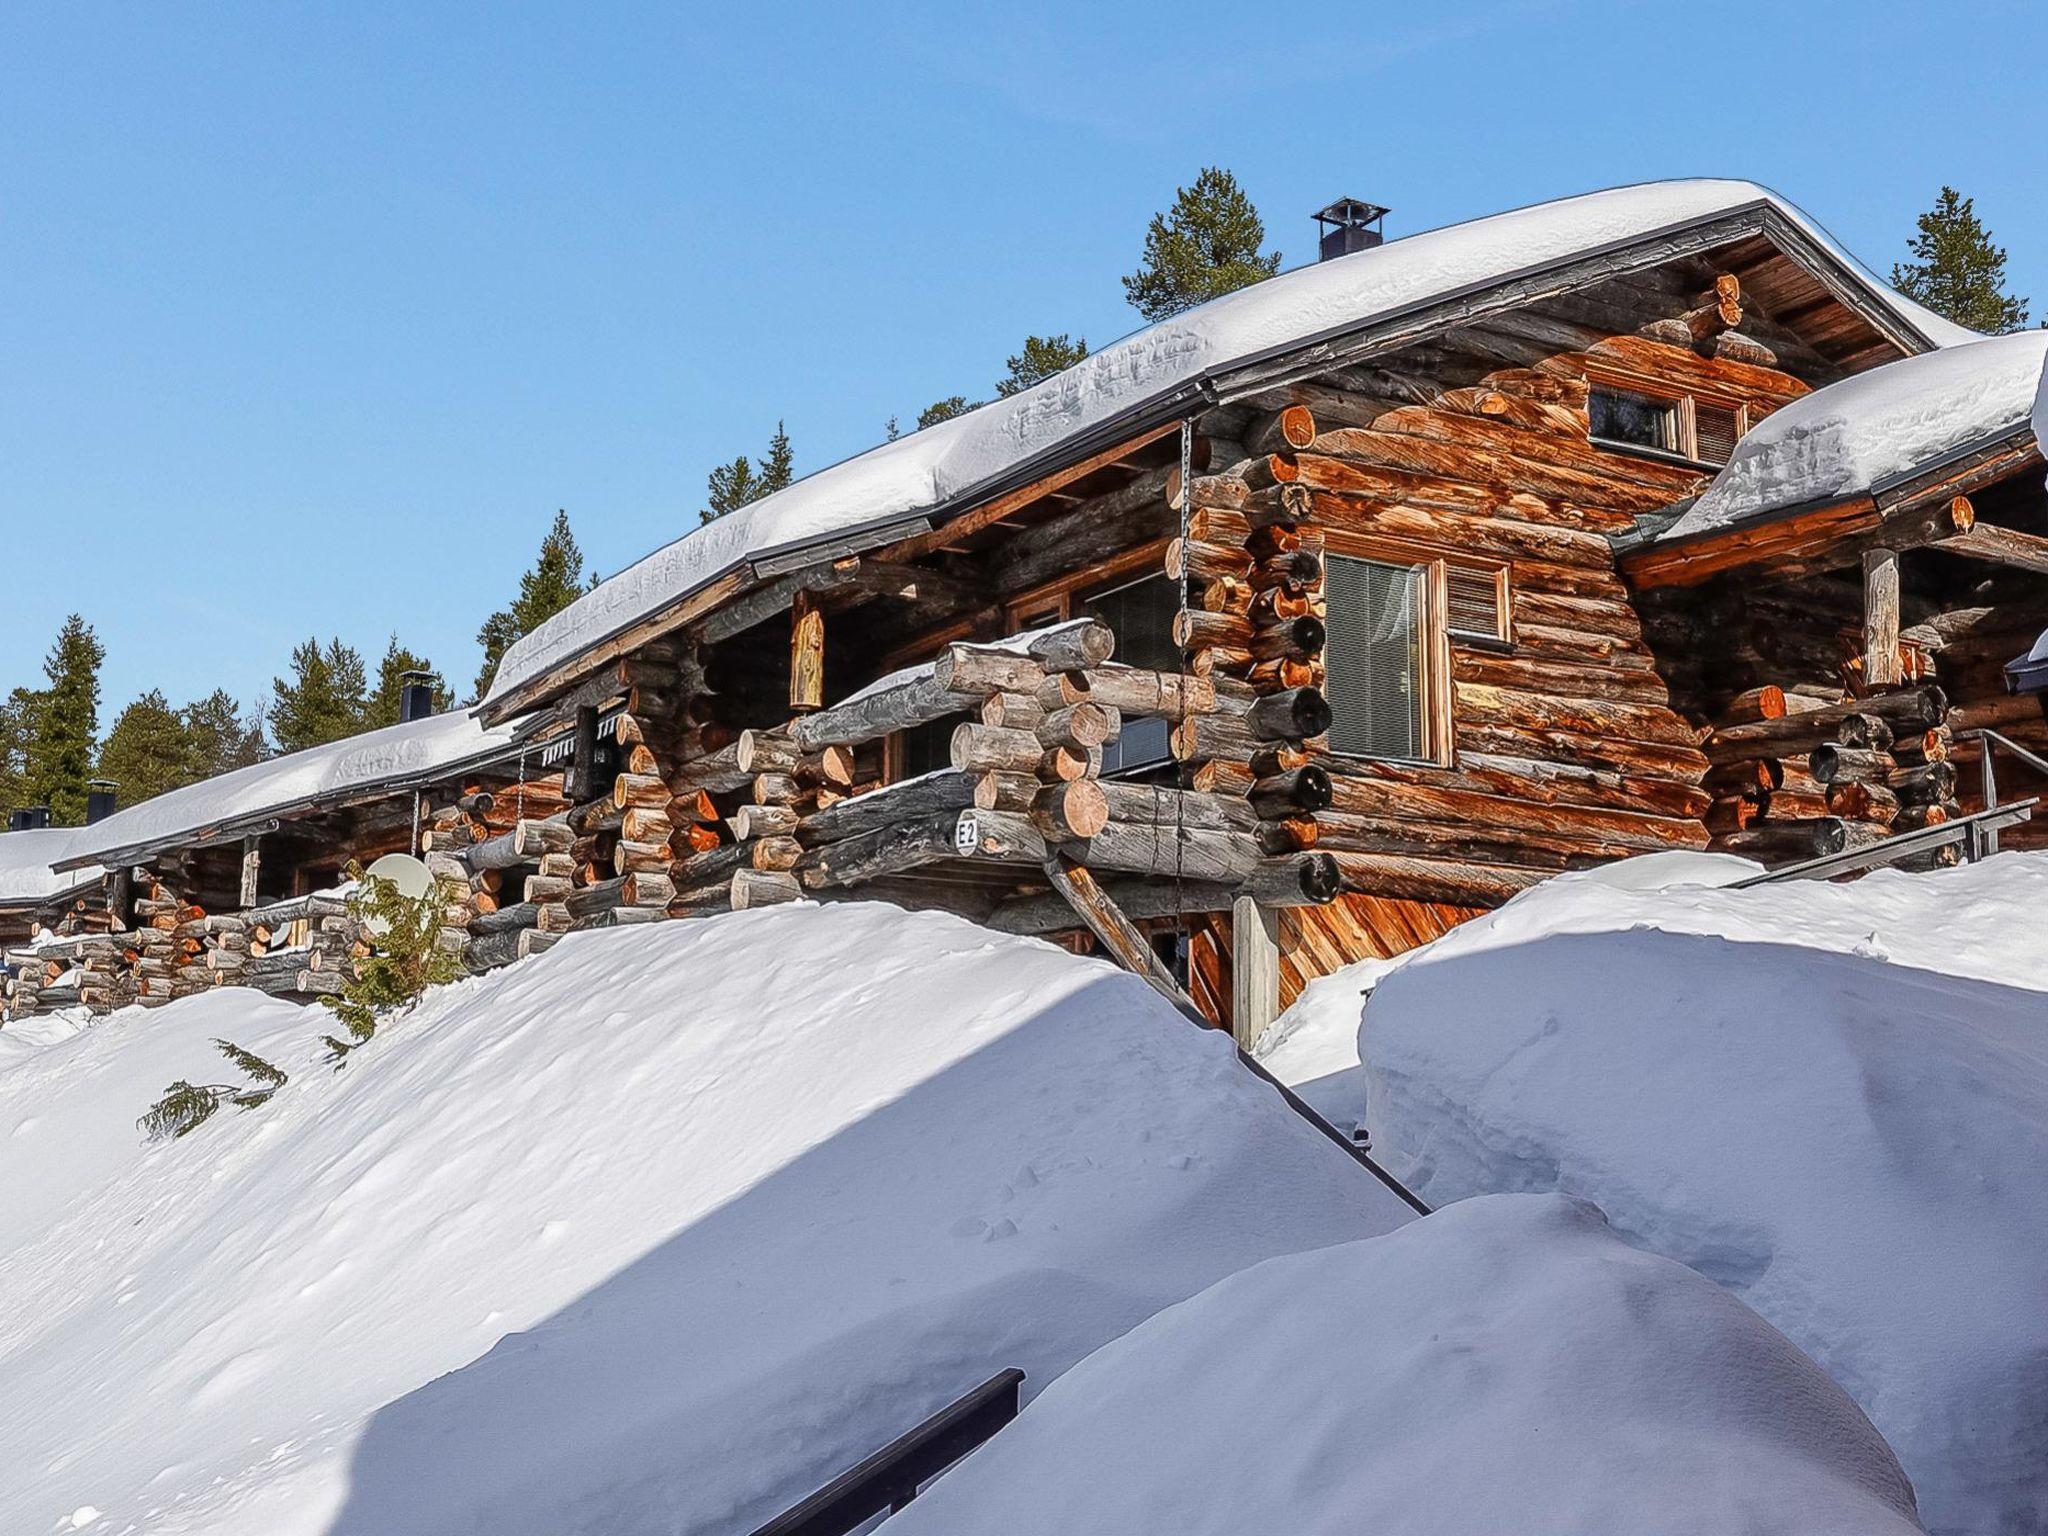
407 958
187 1106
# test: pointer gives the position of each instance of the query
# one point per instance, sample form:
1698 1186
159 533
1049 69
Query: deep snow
652 1233
1507 1364
1832 1098
26 879
917 474
1850 438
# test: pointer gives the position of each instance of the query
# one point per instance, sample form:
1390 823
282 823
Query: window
1636 421
1476 602
1684 426
1377 658
922 749
1141 615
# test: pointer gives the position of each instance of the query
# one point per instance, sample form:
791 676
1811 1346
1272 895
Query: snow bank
919 473
1853 437
26 879
1504 1365
395 754
652 1233
1833 1099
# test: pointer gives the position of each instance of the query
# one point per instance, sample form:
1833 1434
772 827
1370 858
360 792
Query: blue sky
310 316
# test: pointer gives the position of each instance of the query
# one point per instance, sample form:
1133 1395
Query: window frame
1683 400
1433 654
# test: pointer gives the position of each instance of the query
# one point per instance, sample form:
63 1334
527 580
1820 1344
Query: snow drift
653 1233
1833 1099
1504 1365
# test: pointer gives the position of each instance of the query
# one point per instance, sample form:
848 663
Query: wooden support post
1254 970
1117 933
583 778
251 867
1881 619
806 652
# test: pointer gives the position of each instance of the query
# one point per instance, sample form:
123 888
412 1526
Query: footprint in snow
969 1226
1002 1229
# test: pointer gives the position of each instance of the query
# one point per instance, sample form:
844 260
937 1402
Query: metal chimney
102 799
1349 225
415 696
30 818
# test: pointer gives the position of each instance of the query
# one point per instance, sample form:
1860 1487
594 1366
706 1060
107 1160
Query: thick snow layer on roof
397 752
1851 438
921 472
26 878
1508 1364
1813 1093
653 1233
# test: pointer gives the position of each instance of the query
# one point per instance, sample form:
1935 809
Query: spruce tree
219 737
555 582
64 740
324 699
17 735
148 751
731 486
1208 245
946 410
1042 357
1957 272
408 958
186 1106
386 698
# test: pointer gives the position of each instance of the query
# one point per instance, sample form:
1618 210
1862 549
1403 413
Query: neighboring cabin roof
391 759
26 878
1859 436
892 490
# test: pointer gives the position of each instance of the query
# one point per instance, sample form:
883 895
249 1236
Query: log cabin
46 917
1289 631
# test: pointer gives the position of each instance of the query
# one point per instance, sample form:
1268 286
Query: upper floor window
1684 426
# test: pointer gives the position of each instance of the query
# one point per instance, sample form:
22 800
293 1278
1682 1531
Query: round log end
1297 426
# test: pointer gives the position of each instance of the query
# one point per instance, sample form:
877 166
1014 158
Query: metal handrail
891 1477
1988 774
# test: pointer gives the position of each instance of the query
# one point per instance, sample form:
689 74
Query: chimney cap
1353 212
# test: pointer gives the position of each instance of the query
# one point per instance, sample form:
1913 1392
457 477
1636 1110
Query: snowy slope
1851 438
652 1233
1504 1365
921 472
1834 1099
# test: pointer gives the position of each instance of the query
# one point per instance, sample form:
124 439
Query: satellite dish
407 874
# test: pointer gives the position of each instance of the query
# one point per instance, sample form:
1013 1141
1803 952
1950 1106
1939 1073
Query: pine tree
220 738
1957 272
386 698
946 410
731 486
408 959
148 751
186 1106
1206 247
1042 357
323 701
555 582
17 734
64 740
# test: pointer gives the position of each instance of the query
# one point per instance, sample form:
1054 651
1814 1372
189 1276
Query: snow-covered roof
1855 437
26 878
901 482
397 754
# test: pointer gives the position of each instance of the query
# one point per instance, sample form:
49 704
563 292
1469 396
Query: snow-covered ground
652 1233
1831 1098
1506 1364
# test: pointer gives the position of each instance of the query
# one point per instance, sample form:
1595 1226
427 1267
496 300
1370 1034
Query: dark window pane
1141 614
1374 657
1645 423
927 748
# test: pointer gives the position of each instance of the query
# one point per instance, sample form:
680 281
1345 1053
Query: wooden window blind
1476 601
1715 430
